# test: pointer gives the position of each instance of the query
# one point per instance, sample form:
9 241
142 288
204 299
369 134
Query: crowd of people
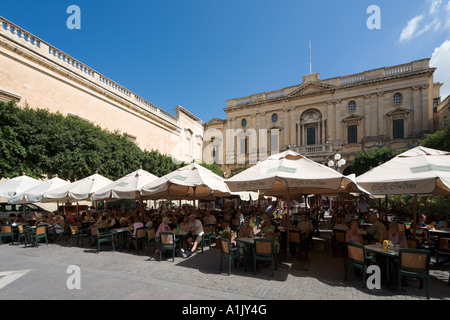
360 225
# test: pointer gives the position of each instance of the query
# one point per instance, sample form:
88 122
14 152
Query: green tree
369 159
38 142
439 140
213 167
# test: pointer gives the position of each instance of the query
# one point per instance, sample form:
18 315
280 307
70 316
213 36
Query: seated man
377 229
196 229
305 226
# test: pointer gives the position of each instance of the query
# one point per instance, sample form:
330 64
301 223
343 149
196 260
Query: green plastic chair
6 232
167 241
76 233
101 237
140 237
231 253
414 263
296 241
37 234
151 239
338 240
21 234
356 256
207 236
265 250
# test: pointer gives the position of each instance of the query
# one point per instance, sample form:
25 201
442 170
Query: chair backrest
443 244
355 252
225 245
414 259
207 228
212 229
40 230
166 237
225 224
235 222
401 227
294 236
94 231
151 233
74 228
6 229
412 243
141 232
263 246
340 235
20 227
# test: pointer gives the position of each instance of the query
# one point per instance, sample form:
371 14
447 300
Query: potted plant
226 233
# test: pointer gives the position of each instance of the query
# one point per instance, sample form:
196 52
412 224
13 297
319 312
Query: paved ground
122 275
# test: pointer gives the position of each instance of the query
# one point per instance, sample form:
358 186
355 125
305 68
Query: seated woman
353 235
246 231
184 225
395 236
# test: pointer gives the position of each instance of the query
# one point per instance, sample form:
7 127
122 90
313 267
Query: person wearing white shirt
196 228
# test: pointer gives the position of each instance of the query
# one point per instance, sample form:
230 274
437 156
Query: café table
439 234
389 256
122 234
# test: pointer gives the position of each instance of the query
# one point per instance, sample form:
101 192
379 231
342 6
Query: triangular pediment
398 111
352 117
311 88
215 121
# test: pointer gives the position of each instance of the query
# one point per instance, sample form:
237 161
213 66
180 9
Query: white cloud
434 6
409 31
436 19
441 60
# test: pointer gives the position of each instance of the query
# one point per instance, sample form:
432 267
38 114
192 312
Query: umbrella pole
415 216
288 253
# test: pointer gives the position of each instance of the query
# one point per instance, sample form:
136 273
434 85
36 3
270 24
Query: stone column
427 110
417 115
332 120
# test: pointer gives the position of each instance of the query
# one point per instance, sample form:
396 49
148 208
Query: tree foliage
369 159
439 140
37 142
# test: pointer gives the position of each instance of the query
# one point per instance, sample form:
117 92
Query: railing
314 149
352 78
20 33
10 30
244 100
274 95
398 69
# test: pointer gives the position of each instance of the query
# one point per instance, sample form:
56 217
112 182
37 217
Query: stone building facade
35 73
385 107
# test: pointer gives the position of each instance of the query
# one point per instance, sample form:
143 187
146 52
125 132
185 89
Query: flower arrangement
227 233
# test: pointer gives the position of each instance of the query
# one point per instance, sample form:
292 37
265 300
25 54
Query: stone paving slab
126 276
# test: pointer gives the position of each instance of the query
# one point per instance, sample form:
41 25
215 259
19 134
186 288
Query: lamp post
337 163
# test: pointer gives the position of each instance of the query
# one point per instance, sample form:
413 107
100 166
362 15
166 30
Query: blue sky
200 53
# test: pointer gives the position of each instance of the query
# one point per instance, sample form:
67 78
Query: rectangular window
352 134
274 141
399 129
244 146
310 136
436 102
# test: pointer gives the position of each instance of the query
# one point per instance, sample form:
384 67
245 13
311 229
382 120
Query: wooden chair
6 232
338 240
21 234
265 250
167 241
356 256
414 263
442 249
412 242
141 236
76 233
151 239
101 237
296 241
37 234
231 253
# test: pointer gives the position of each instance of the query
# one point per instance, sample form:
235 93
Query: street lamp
337 163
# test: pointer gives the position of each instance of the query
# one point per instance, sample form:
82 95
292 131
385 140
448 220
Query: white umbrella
78 190
289 173
188 183
36 194
420 170
127 187
417 171
17 185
